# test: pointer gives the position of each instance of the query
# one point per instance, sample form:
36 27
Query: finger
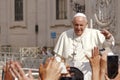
104 32
92 52
30 75
59 72
39 78
46 63
52 58
15 71
96 51
119 69
4 68
41 66
7 64
104 56
49 64
19 69
106 77
109 35
87 57
13 74
55 63
41 69
68 67
7 67
11 62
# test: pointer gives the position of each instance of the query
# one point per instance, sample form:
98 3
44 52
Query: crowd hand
39 78
18 73
116 78
95 64
42 69
106 33
7 74
103 60
103 65
50 70
95 59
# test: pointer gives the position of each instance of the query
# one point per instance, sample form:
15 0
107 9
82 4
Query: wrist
47 79
97 68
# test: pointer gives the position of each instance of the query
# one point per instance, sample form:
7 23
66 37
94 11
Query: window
61 9
18 10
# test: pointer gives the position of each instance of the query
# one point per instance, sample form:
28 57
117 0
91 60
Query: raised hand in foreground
50 70
18 73
95 64
6 73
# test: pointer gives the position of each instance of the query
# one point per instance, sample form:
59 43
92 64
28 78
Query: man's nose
78 26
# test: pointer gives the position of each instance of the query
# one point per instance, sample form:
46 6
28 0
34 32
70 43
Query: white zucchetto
79 14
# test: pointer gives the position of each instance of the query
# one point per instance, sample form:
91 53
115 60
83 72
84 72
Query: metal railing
29 57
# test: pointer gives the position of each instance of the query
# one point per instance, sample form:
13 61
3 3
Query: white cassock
68 43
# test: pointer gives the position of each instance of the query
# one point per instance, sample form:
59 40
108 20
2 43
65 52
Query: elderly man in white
75 44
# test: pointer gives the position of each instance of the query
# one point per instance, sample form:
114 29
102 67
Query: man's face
79 24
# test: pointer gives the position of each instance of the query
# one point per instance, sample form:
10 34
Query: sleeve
59 49
105 43
109 42
59 45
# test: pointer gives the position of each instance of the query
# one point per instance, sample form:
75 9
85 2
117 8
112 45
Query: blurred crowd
51 69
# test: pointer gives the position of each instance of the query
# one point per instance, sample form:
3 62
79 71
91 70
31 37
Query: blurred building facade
33 22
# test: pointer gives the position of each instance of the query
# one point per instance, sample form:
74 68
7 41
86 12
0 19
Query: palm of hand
47 70
95 61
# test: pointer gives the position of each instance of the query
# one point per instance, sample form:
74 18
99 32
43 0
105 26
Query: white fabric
79 14
68 43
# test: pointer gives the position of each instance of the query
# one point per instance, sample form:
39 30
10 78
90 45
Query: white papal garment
68 43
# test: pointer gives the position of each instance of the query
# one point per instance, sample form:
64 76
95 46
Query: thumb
87 57
30 75
106 77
